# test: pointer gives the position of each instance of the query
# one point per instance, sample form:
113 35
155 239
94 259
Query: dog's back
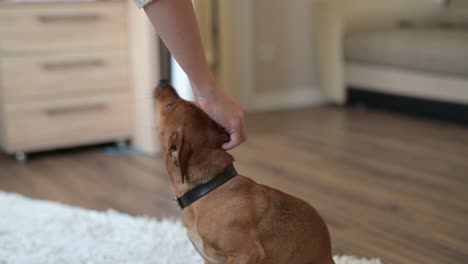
293 231
289 229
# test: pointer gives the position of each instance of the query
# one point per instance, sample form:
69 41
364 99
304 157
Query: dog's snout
163 82
164 91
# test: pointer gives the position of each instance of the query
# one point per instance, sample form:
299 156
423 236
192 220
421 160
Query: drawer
63 74
62 26
51 123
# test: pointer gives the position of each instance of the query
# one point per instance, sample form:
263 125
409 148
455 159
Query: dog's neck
182 188
203 189
201 171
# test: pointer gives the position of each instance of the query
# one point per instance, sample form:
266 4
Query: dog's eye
170 105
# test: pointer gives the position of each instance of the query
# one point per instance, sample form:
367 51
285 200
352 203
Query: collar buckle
178 202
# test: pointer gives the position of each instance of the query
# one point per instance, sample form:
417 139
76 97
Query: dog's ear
179 151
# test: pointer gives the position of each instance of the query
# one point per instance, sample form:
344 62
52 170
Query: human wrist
205 88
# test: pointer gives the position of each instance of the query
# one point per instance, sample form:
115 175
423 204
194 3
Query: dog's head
191 141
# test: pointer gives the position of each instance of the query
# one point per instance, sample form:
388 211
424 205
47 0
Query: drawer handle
51 66
70 18
55 111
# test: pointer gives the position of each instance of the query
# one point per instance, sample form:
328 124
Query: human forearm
176 24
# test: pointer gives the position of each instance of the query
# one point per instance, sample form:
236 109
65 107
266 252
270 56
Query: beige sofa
362 45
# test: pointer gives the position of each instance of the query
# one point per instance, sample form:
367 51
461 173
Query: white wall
180 81
268 57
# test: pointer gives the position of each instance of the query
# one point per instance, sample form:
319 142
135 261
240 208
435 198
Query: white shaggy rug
43 232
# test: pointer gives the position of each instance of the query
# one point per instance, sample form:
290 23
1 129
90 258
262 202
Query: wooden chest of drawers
64 75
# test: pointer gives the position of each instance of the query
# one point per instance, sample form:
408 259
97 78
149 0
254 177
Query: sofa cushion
456 11
429 49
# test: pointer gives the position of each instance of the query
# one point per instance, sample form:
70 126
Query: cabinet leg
21 156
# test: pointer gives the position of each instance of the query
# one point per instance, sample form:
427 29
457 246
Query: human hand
226 112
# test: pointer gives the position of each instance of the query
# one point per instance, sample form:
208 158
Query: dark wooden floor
388 186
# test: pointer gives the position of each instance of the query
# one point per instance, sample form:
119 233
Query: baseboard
410 105
287 99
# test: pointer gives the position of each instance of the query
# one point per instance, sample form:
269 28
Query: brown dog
240 221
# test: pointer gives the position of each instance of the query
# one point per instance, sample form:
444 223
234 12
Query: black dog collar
199 191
